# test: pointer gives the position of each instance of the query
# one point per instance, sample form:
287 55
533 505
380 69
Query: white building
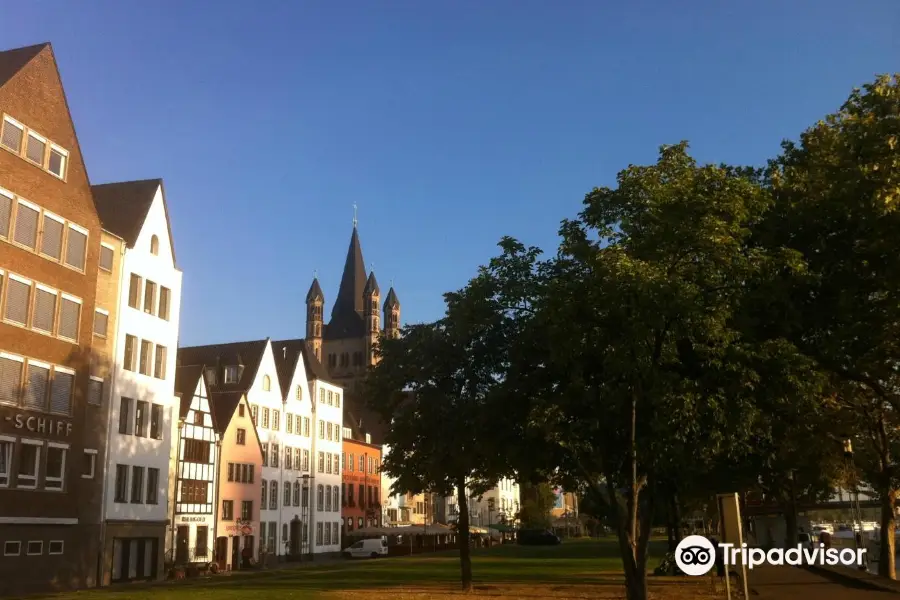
142 397
499 504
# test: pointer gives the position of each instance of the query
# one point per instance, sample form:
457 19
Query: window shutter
36 383
106 258
34 150
75 248
101 323
51 239
68 319
5 214
61 393
44 310
95 392
18 295
12 136
26 226
10 380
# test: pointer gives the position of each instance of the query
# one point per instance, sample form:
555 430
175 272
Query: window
334 499
34 148
273 496
321 430
287 493
306 426
362 495
330 398
227 510
253 412
306 460
327 498
121 483
146 356
34 548
12 135
137 484
150 298
267 383
159 367
198 418
201 549
362 463
276 420
337 400
124 414
350 463
299 392
156 422
336 467
130 352
321 395
194 491
197 451
328 431
95 391
26 224
134 291
288 459
231 374
6 456
240 410
107 253
76 247
335 537
101 322
69 314
52 236
6 203
265 418
37 383
265 454
298 462
327 534
320 498
61 391
18 297
321 462
56 162
318 533
152 485
140 418
273 458
12 548
247 510
288 423
154 245
265 489
242 437
296 493
165 295
305 497
350 494
55 468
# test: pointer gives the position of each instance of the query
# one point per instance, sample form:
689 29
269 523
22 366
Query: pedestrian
825 538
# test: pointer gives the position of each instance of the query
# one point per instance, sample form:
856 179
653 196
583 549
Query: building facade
361 504
193 473
52 418
142 401
327 446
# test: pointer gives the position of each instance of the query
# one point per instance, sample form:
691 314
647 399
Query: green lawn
497 570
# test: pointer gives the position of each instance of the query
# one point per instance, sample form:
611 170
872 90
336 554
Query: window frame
80 303
7 439
17 125
87 244
29 304
105 313
112 249
39 445
62 477
92 453
41 139
28 551
7 552
46 214
62 547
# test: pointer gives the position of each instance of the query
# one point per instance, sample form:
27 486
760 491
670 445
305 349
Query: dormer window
154 245
231 374
368 438
211 376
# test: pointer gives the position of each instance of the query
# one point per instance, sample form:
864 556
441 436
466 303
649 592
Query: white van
371 548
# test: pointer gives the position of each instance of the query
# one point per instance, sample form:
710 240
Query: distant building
361 497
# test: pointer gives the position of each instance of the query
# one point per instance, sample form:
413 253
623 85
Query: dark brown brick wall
35 97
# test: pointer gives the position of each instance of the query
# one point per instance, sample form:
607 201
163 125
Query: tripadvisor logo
696 555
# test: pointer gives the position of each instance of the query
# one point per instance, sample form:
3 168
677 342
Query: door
221 552
296 527
182 545
235 552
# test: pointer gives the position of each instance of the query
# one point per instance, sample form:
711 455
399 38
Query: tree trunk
791 530
462 532
886 561
676 520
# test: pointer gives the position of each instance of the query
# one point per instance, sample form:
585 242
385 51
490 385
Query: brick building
52 413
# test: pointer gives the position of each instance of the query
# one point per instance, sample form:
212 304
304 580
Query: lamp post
854 503
308 492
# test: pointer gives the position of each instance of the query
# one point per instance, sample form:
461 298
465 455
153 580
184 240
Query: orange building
360 484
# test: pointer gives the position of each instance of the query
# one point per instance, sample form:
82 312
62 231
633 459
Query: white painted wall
333 414
129 449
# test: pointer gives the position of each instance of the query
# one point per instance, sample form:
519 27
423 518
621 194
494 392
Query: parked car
537 537
370 548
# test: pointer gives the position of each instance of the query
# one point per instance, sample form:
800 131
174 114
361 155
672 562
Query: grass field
576 569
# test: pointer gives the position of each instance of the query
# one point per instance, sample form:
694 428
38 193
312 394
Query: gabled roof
361 419
315 291
346 315
223 405
222 355
286 354
186 379
391 300
123 207
12 61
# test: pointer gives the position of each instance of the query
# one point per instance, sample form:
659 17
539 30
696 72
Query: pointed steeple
353 282
391 300
371 286
315 291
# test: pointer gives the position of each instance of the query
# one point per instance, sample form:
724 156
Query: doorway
235 552
182 545
222 552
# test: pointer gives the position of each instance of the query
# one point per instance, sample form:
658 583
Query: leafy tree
836 197
536 503
433 384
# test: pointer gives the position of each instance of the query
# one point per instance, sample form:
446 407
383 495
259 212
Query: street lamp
854 506
307 479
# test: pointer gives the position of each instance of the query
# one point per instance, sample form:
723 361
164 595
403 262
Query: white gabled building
142 397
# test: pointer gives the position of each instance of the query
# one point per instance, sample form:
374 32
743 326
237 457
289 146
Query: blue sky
450 124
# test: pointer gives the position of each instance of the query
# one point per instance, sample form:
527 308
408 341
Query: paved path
789 583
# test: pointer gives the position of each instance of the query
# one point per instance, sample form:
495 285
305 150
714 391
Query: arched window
265 488
296 493
360 523
154 245
320 498
267 383
335 503
273 496
328 498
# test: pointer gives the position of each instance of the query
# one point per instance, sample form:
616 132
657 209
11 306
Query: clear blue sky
451 124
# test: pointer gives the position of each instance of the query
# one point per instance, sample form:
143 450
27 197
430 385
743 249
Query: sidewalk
789 583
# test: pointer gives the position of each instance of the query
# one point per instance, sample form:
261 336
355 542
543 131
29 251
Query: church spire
353 282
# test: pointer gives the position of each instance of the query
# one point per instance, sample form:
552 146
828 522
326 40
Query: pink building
238 494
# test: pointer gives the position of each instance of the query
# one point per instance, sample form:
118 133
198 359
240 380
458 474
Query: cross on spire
354 214
315 273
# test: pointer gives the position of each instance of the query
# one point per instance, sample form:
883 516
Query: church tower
371 294
315 302
391 314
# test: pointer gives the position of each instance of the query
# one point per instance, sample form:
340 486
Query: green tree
836 197
434 383
536 504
